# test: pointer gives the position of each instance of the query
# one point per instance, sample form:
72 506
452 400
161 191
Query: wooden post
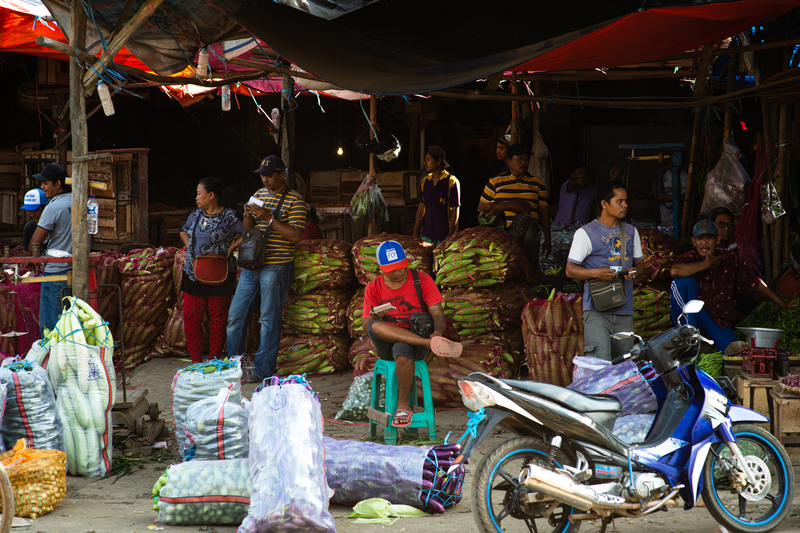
732 68
374 226
765 231
780 226
287 130
515 114
696 152
80 169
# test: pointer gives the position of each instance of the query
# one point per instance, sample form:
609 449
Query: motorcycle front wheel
755 508
498 497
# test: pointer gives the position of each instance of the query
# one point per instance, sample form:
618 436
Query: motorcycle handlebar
620 359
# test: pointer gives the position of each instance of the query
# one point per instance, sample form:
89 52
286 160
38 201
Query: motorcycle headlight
476 395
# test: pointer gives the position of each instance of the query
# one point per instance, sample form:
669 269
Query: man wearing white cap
396 305
34 203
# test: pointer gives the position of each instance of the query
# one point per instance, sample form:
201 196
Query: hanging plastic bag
38 479
287 460
201 381
623 381
368 201
771 207
585 365
39 352
204 492
216 429
725 184
30 408
359 398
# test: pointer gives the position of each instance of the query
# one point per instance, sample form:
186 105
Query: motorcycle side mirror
693 306
622 335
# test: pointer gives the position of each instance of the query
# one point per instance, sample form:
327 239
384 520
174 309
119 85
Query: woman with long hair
211 234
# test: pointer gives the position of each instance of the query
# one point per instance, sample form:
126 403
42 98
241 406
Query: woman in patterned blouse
213 228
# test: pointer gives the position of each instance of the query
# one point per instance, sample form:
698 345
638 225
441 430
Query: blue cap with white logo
34 199
391 256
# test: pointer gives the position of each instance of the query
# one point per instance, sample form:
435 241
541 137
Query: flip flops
402 418
445 347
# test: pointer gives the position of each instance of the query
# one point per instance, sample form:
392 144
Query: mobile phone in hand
383 308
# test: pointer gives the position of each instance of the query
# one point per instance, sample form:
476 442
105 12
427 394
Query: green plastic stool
382 415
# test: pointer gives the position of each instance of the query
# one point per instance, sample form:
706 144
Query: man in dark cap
439 199
522 199
55 226
714 276
280 213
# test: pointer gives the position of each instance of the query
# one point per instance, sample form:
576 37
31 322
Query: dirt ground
125 506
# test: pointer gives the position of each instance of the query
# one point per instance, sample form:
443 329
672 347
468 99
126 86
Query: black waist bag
420 323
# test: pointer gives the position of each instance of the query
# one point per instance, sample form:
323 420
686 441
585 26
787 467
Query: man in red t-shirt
389 301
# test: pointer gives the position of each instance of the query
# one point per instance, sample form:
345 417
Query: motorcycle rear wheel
496 489
755 513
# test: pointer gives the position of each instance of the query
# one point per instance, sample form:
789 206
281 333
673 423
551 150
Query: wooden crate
115 173
115 220
11 170
787 415
9 208
760 388
325 187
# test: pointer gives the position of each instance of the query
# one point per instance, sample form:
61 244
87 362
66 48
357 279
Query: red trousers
194 309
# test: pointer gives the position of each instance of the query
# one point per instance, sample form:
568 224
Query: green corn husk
366 266
651 312
354 310
319 313
476 311
479 257
323 354
322 264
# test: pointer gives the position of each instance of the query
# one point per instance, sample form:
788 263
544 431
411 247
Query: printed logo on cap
31 198
391 254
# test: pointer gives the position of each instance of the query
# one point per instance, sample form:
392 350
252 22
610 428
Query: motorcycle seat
577 401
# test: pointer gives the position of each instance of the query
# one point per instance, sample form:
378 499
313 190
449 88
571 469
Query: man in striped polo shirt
522 198
283 226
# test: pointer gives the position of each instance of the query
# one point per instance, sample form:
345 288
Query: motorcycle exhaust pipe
559 487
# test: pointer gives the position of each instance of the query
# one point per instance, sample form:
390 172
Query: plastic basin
763 337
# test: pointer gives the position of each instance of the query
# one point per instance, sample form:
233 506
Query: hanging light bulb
202 63
340 151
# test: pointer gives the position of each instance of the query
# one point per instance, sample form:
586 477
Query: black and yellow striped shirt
509 187
293 212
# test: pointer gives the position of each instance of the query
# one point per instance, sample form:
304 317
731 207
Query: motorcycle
566 466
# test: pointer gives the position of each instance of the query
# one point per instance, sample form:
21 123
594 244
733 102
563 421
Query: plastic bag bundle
39 353
204 492
726 183
38 478
317 313
660 251
479 257
476 311
359 398
215 429
368 201
362 356
358 470
322 264
650 312
325 354
623 381
355 324
147 296
553 332
30 408
287 460
585 365
420 257
86 389
481 355
633 429
201 381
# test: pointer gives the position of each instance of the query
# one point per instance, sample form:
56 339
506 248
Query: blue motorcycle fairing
737 413
681 457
